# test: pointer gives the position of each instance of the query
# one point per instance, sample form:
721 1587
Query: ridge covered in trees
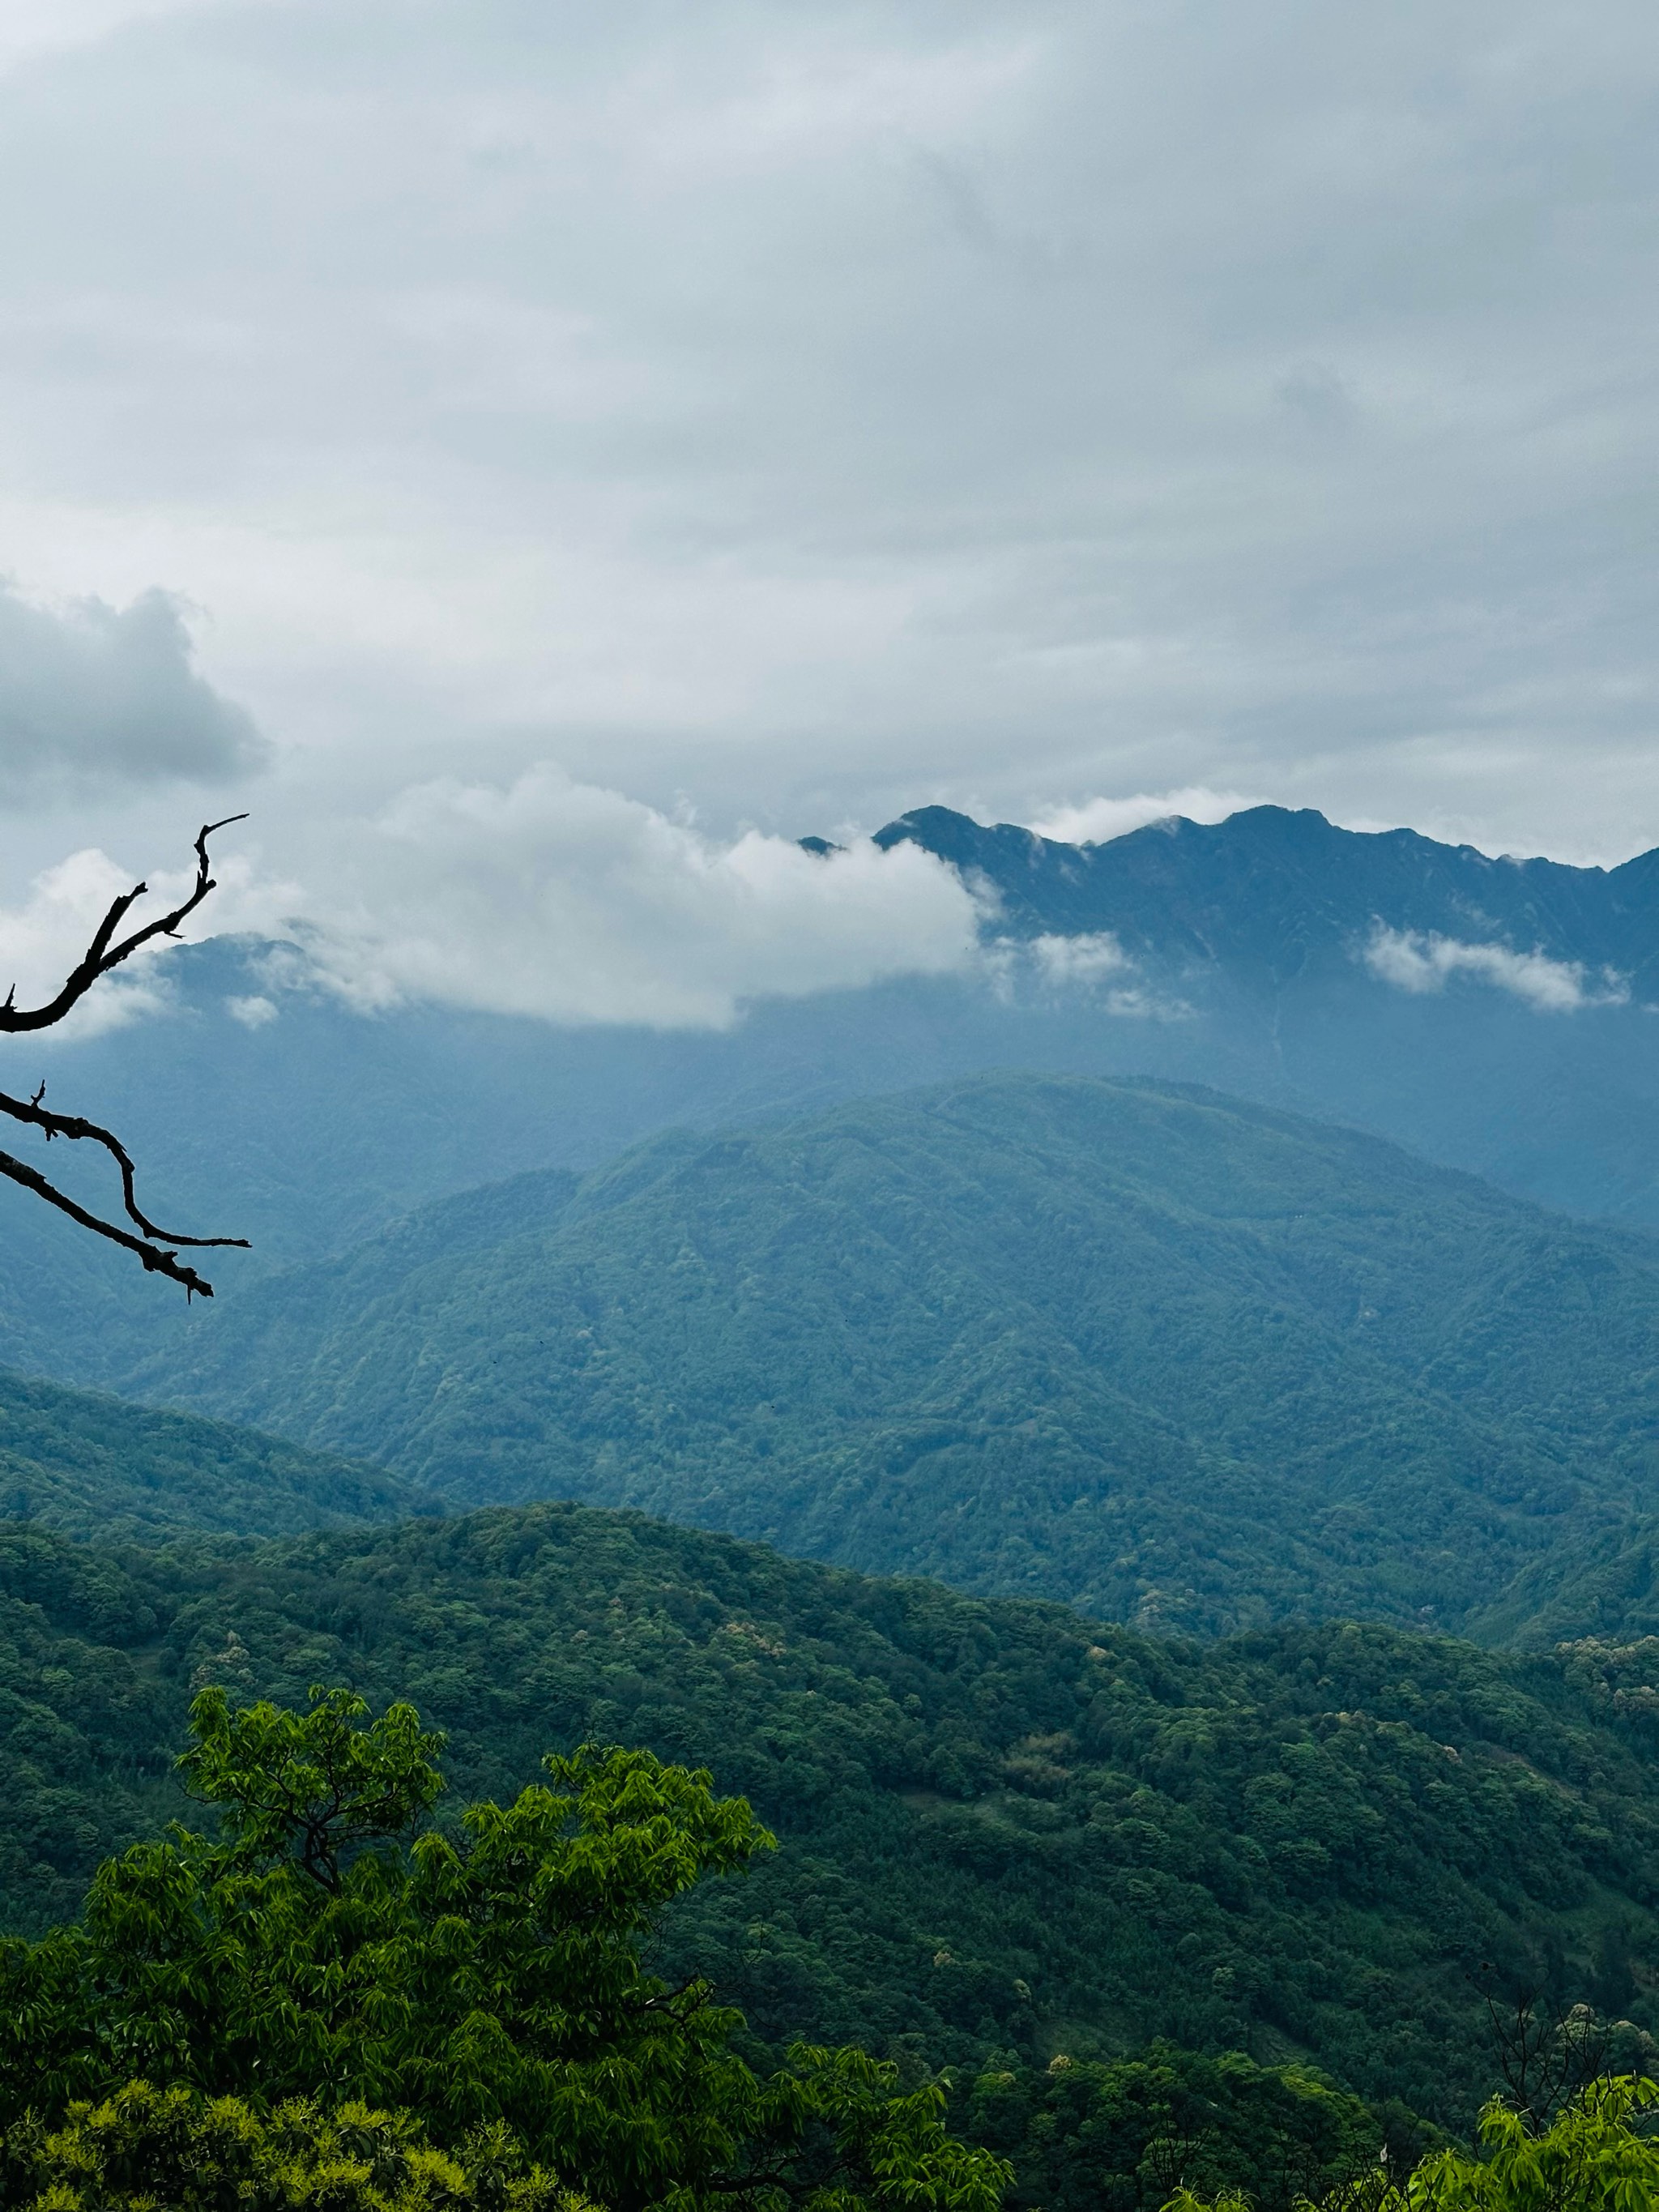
1173 1359
1007 1836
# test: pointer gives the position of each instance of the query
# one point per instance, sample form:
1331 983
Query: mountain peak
1271 888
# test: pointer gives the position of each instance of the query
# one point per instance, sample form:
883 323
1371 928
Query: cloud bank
98 695
572 903
1421 963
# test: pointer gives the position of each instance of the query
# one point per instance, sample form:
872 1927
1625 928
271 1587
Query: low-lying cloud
96 694
1097 821
572 903
1413 961
1092 965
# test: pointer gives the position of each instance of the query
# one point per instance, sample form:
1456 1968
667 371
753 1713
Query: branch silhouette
156 1248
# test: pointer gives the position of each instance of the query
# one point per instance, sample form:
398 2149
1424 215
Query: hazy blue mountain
1171 1357
1233 955
94 1467
1271 895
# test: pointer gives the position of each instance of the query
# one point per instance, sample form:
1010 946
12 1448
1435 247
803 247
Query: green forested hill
1007 1835
1181 1360
94 1466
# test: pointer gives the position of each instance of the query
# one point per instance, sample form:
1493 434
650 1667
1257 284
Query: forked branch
107 949
155 1247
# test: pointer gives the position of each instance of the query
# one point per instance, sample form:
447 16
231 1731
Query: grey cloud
98 695
828 408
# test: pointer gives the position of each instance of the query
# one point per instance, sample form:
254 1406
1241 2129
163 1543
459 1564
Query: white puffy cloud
574 903
44 933
94 694
1091 966
1413 961
1082 959
1097 821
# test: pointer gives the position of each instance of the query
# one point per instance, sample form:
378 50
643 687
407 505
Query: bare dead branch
75 1129
106 951
157 1260
153 1246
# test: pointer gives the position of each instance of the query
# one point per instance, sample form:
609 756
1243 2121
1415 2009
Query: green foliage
313 1951
1001 1829
1600 2155
173 2150
1175 1359
309 1786
1087 2136
94 1467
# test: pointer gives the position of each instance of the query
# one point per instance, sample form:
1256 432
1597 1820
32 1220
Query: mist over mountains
1490 1014
1179 1359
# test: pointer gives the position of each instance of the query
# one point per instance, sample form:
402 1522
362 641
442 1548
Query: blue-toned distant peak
1279 892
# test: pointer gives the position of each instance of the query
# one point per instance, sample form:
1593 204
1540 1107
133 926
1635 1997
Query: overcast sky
779 415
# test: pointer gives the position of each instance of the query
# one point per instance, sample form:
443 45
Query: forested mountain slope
1172 1357
94 1466
1004 1830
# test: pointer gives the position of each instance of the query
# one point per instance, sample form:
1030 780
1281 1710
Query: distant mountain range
1493 1015
1271 898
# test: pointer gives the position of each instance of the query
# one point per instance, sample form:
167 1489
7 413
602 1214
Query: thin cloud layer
96 695
1422 963
572 903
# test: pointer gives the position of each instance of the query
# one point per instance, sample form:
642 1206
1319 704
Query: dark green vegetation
1006 1835
1176 1359
323 1947
96 1467
1123 2133
1601 2154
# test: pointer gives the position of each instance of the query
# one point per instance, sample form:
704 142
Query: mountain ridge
318 1127
1166 888
93 1466
1137 1346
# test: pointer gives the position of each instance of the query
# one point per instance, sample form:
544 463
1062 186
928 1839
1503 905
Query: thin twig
74 1128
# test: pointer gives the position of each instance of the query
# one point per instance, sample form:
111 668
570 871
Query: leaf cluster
175 2150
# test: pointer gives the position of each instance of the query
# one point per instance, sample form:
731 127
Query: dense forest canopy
1004 1832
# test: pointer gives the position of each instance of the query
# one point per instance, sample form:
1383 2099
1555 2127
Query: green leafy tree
323 1947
